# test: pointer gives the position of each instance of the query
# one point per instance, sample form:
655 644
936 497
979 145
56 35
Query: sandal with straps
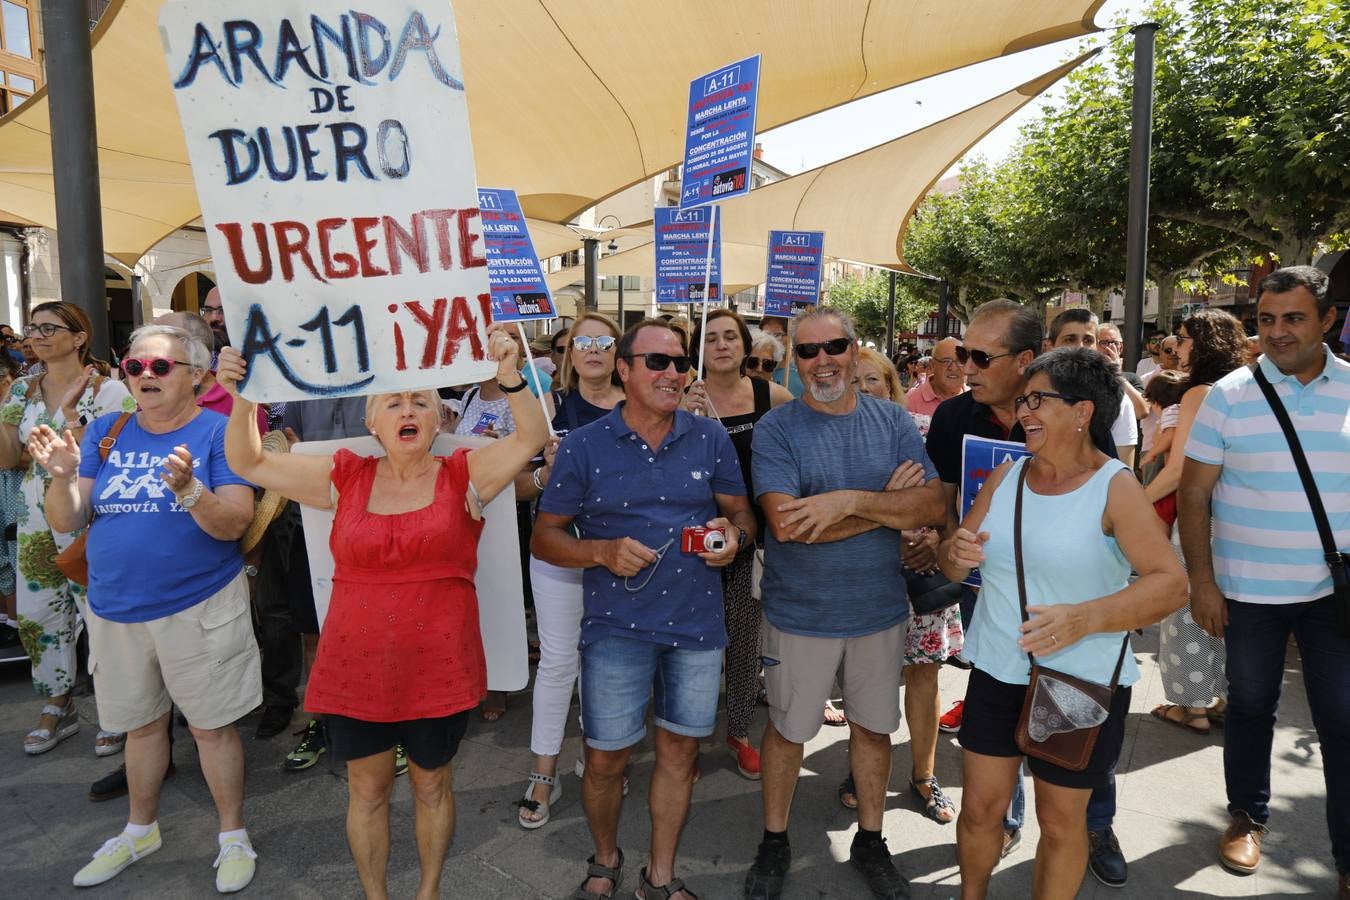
595 870
651 891
67 724
527 804
936 802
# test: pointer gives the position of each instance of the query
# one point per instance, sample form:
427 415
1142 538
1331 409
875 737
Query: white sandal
67 724
528 805
109 743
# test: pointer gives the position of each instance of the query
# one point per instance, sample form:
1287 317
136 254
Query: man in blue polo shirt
1264 577
652 627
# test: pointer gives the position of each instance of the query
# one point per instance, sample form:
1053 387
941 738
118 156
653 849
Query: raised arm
298 476
493 467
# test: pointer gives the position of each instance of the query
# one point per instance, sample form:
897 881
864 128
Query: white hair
198 354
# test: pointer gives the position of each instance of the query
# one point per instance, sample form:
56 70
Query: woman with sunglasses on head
766 355
1209 345
72 389
1086 524
738 402
168 599
590 389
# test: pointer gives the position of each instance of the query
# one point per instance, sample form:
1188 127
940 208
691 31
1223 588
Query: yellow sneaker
115 855
235 865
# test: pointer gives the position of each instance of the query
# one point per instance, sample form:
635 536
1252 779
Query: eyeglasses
159 366
1170 351
46 329
659 362
1110 343
978 357
212 310
946 361
832 348
1032 400
754 363
604 343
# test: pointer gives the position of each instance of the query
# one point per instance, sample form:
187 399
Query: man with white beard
838 475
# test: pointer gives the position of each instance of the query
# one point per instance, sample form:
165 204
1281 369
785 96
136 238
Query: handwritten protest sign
979 458
682 253
793 282
501 607
719 143
331 153
519 291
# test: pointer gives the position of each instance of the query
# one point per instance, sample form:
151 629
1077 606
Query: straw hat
267 507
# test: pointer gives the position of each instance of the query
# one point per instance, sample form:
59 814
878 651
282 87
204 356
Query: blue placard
979 458
793 282
519 291
682 254
719 140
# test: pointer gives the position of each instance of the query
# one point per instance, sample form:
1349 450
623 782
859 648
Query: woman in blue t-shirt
168 602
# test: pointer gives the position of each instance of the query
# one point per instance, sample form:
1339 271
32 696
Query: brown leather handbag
1061 714
72 561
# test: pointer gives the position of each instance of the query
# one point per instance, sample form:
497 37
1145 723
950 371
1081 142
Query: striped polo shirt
1266 548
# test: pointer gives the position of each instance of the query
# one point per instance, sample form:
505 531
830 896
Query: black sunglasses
978 357
659 362
1032 400
833 348
754 363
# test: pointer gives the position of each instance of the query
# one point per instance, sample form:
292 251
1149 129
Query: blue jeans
1257 637
620 675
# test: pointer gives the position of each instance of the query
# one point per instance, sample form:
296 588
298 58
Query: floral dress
49 621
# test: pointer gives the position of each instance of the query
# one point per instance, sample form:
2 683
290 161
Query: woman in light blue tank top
1085 525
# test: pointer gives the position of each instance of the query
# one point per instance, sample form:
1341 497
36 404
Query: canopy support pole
1141 140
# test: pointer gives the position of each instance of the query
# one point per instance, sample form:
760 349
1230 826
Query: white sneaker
115 855
235 865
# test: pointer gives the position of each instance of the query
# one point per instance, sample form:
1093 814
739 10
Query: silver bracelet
534 479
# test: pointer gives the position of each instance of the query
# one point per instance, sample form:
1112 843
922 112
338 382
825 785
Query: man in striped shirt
1264 576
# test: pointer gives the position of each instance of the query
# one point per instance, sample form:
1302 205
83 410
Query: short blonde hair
897 390
373 400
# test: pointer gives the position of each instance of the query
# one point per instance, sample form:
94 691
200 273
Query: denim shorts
619 675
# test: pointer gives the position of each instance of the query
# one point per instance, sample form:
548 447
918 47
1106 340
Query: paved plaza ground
1170 789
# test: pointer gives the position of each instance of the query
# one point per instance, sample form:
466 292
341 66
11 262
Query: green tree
867 300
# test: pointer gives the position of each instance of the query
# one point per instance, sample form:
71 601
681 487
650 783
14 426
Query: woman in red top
400 659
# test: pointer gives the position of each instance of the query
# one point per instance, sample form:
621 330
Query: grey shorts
799 672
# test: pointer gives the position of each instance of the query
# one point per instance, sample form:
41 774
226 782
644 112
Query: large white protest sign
330 147
501 594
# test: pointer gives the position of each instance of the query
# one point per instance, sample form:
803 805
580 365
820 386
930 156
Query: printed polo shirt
614 485
1266 548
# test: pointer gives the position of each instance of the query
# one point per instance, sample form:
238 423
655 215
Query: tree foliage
867 300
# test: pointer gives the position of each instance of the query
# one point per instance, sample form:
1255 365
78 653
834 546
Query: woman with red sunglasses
168 611
70 388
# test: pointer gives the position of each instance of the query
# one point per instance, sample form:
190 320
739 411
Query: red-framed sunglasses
158 366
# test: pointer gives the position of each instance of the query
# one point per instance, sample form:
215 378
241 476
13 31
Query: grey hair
193 324
766 344
1023 328
1085 374
812 313
198 354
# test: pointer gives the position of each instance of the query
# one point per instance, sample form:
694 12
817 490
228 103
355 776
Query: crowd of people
789 529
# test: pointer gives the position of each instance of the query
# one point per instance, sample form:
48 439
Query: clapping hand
59 454
73 395
177 475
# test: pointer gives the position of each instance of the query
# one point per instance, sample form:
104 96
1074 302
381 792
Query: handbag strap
1022 579
106 442
1319 512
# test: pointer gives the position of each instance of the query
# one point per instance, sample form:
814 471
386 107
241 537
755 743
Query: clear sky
865 123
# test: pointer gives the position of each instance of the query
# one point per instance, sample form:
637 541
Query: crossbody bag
1335 559
72 561
1062 714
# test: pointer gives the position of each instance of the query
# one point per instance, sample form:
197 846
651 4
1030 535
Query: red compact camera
696 539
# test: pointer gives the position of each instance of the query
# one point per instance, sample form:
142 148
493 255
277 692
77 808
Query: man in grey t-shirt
828 470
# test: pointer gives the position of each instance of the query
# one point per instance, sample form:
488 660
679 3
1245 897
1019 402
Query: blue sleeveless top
1066 559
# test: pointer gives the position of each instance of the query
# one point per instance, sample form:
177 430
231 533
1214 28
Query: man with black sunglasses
638 483
828 469
1002 339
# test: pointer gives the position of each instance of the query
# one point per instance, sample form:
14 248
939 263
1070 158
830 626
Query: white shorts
205 659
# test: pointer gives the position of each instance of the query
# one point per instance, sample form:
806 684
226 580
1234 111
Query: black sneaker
873 860
1105 861
765 879
275 720
114 784
311 747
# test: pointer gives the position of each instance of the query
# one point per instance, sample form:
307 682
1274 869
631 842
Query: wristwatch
193 495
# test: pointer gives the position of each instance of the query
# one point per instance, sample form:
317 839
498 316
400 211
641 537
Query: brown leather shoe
1240 846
